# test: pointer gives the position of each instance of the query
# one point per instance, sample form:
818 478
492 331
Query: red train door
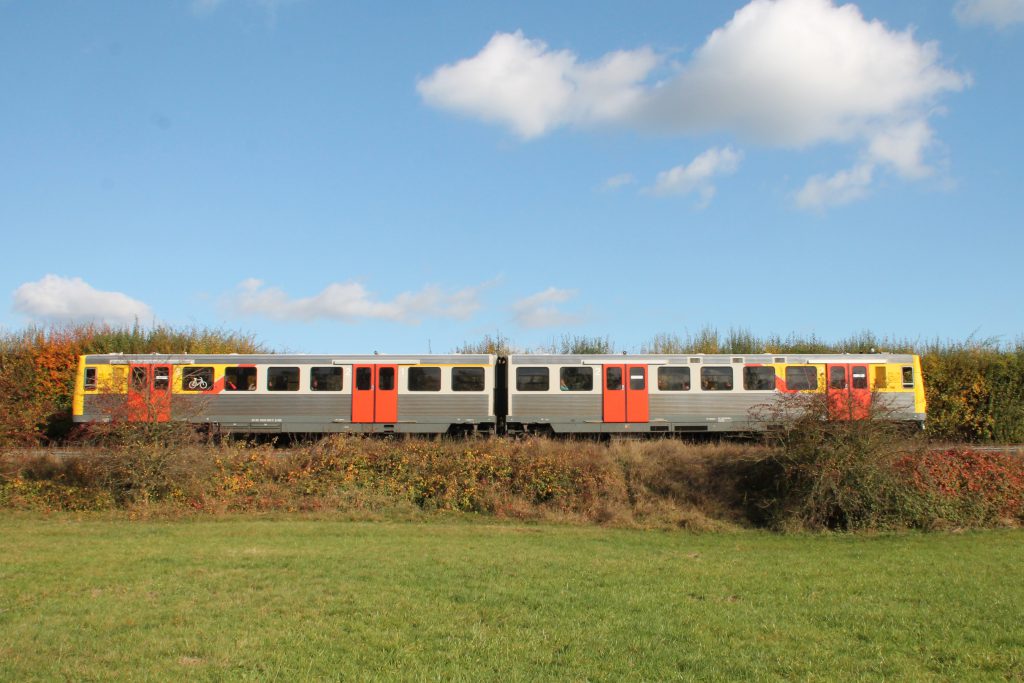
362 393
636 394
849 397
149 393
614 393
386 397
625 393
375 393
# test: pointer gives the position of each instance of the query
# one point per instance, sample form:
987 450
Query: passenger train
503 394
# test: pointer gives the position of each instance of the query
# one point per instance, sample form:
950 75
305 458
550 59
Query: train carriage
699 393
518 393
292 393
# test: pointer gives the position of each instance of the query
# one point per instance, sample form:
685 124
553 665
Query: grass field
297 598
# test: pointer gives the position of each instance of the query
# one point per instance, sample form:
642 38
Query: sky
406 177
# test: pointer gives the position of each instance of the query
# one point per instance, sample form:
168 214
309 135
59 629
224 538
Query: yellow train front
292 393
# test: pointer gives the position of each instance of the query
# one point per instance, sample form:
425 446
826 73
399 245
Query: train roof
705 358
282 358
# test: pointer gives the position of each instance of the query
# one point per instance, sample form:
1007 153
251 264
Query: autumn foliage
37 369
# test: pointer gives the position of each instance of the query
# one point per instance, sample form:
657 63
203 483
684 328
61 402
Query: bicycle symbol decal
198 384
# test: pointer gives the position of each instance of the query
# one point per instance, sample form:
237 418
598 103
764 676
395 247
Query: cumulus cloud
781 73
696 176
997 13
351 301
522 84
61 299
541 309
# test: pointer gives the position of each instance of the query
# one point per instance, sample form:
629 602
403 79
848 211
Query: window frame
272 376
241 373
584 370
706 370
89 380
540 371
190 371
750 370
459 385
336 371
809 370
687 384
423 369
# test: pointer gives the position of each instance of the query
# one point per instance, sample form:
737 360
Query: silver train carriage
460 394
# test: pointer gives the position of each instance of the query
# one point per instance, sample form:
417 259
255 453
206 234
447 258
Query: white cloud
522 84
351 301
696 176
621 180
781 73
60 299
997 13
540 309
841 188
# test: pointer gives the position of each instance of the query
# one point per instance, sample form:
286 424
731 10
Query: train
462 394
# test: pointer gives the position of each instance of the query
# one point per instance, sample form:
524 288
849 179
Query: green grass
297 598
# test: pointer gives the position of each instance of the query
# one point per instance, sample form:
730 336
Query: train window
881 377
386 379
673 379
90 379
424 379
283 379
161 377
908 377
637 378
860 377
240 379
613 378
837 378
467 379
801 378
364 379
196 379
576 379
325 379
140 381
716 379
532 379
759 378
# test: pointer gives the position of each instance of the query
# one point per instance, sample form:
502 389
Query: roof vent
737 359
780 359
694 359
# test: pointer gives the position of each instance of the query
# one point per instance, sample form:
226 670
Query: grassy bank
829 475
85 598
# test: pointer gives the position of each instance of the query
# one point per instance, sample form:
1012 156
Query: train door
385 400
625 393
375 393
849 397
149 393
614 392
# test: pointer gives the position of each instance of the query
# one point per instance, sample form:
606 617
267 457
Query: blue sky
347 177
